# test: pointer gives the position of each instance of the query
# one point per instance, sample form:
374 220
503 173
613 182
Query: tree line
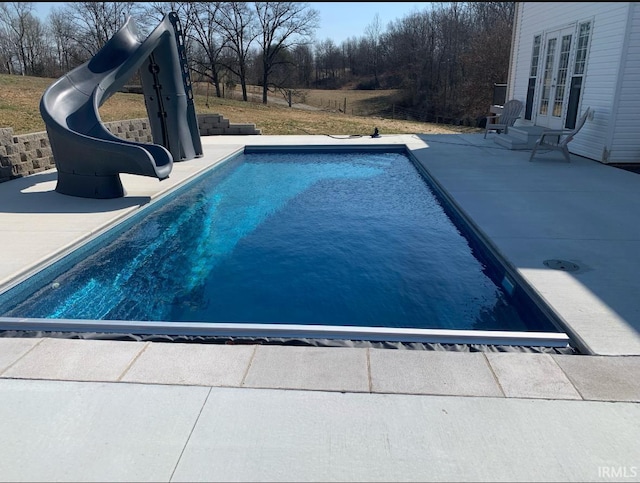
444 59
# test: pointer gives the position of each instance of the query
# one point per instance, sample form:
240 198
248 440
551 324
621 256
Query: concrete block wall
23 155
31 153
216 125
137 130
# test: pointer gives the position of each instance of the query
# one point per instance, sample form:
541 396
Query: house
568 56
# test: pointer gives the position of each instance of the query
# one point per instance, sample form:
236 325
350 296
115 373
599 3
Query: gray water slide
88 157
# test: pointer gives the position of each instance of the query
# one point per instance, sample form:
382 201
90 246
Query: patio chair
557 139
503 121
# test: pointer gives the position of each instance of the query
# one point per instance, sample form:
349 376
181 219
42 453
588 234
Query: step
217 125
519 138
511 143
525 133
246 128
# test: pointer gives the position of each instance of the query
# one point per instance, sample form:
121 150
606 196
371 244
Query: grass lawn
20 99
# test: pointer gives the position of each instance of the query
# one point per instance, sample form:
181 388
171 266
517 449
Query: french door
554 88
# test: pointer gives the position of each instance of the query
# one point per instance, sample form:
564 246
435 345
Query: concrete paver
191 364
432 372
530 375
75 359
603 378
12 350
317 368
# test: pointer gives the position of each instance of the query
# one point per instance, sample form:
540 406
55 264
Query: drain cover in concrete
561 265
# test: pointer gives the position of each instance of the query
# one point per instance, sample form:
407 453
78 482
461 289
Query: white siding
513 55
521 55
625 135
609 26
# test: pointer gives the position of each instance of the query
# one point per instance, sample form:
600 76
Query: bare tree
155 12
328 61
451 57
207 46
237 26
22 30
349 48
6 52
373 33
65 49
487 56
445 58
411 42
283 25
96 22
35 46
303 58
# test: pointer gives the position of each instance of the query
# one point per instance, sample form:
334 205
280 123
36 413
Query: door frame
548 84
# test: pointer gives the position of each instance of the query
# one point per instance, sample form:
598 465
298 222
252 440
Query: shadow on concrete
36 194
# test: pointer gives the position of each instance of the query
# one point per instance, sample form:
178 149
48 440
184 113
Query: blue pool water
350 238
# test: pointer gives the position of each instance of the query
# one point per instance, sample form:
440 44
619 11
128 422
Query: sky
338 20
342 20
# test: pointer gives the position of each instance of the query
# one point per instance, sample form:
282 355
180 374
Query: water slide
88 157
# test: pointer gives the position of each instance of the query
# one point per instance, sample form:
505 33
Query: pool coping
330 369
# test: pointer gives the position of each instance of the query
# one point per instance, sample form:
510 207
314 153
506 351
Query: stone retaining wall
27 154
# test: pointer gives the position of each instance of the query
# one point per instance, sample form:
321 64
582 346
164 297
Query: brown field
360 102
20 99
357 102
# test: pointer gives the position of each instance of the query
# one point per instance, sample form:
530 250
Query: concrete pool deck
104 410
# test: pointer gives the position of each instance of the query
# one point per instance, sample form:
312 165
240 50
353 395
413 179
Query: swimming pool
289 238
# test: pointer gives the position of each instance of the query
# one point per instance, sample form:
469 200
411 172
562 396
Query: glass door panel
555 75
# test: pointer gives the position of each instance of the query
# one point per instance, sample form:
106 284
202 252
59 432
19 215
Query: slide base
84 186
